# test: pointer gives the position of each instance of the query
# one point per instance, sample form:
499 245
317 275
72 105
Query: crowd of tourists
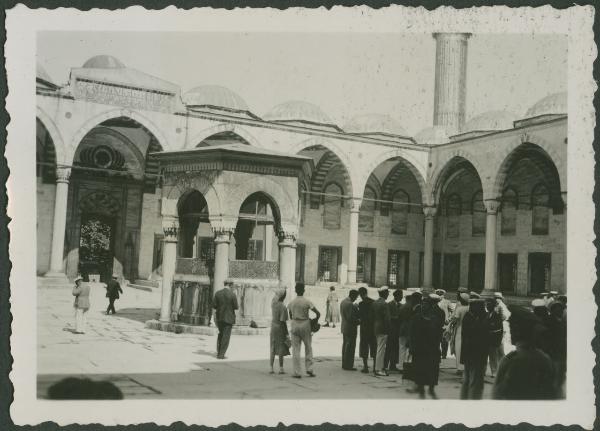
410 333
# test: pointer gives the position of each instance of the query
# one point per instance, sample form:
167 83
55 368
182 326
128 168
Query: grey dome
297 110
214 95
553 104
491 120
103 62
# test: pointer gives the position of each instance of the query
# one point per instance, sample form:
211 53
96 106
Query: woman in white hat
81 292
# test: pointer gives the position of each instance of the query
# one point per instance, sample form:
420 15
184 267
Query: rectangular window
398 269
507 272
300 253
206 248
476 272
365 266
451 271
329 259
540 265
255 249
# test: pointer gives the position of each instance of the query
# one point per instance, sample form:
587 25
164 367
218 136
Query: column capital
492 206
63 174
429 211
287 238
355 204
170 229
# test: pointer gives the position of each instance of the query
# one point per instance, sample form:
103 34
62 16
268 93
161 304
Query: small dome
553 104
434 135
214 95
373 123
41 73
491 120
297 110
103 62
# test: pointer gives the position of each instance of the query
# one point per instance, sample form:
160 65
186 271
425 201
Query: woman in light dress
280 342
332 314
456 324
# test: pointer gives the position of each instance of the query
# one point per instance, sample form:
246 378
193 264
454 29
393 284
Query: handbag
287 342
314 325
408 372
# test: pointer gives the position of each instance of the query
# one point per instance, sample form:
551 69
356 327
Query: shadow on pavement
234 379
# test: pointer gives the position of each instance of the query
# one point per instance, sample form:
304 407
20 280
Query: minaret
450 81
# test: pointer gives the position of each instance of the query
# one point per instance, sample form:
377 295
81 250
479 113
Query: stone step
142 287
182 328
54 282
149 283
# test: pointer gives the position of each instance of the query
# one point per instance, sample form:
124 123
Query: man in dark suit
225 305
381 329
368 343
113 288
349 312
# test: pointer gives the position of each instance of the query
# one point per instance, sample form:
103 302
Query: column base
53 279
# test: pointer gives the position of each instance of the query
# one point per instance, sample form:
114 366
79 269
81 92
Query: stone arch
180 185
319 175
57 139
510 155
99 202
91 123
333 148
374 182
284 206
411 162
433 185
220 128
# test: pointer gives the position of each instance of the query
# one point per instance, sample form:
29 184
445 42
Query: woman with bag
280 339
81 292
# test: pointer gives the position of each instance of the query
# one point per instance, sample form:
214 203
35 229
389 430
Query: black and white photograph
252 214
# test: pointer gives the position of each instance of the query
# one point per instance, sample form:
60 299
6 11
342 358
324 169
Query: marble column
287 260
491 258
353 239
60 220
450 81
169 261
429 214
221 271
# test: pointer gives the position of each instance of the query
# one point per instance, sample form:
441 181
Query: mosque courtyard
150 364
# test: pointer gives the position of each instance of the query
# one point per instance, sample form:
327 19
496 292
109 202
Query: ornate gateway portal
228 212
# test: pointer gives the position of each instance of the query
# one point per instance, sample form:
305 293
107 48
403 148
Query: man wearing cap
225 305
474 351
541 335
425 337
381 328
525 373
444 305
404 317
113 288
368 342
350 321
81 292
301 330
391 347
456 329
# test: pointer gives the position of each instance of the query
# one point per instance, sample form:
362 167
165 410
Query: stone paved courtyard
146 363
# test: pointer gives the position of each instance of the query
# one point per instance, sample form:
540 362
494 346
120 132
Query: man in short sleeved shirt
301 331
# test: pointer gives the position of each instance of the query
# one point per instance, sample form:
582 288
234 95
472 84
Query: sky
345 74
